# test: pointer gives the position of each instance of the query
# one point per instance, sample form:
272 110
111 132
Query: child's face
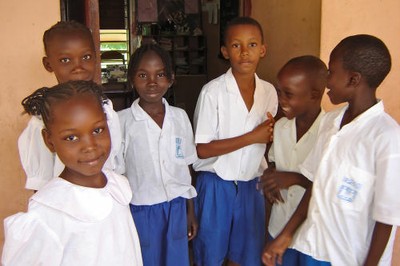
244 48
294 93
339 80
150 80
78 133
70 56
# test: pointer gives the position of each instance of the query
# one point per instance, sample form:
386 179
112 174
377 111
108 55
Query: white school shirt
288 154
67 224
156 160
41 165
221 113
355 173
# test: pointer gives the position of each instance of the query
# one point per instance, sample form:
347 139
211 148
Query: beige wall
291 28
22 26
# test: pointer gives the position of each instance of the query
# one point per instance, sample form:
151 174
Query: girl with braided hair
82 216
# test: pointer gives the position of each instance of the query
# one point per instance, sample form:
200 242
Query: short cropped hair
313 68
64 27
242 21
367 55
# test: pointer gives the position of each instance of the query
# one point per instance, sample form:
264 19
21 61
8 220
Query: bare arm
379 241
274 250
261 134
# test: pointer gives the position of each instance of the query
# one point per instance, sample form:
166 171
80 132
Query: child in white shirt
354 165
82 216
71 55
301 84
157 151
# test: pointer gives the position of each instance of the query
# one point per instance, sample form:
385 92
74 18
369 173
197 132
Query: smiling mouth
91 162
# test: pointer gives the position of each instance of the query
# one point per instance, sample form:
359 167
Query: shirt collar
140 114
84 203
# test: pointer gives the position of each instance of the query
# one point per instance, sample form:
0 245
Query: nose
89 143
244 50
77 64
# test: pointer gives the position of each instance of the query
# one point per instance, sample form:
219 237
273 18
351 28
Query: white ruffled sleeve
36 159
28 241
115 134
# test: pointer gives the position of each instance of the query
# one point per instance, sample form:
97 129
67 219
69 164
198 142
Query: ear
263 50
224 52
355 79
46 64
47 140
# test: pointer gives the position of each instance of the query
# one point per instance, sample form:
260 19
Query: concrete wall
22 26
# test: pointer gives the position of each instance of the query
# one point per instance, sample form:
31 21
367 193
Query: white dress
67 224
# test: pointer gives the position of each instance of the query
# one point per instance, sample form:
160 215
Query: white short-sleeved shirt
67 224
41 165
156 160
355 173
221 113
288 154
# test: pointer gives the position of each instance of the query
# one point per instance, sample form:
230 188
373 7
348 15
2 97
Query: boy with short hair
233 123
301 84
354 167
70 54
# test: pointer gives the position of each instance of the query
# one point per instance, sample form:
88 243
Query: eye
71 138
161 75
65 60
142 75
235 45
253 44
87 57
98 131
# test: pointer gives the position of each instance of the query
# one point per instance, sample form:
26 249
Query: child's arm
379 241
192 224
261 134
274 250
273 181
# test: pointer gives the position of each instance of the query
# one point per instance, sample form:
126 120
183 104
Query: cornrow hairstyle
137 56
40 102
313 68
66 27
367 55
242 21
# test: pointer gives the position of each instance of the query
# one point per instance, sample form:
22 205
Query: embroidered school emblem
178 148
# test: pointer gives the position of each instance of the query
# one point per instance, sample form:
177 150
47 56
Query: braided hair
40 102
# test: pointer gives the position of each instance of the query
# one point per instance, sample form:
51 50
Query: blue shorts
162 230
291 256
306 260
231 221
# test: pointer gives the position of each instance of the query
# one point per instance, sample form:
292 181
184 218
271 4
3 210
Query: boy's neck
304 122
247 85
357 106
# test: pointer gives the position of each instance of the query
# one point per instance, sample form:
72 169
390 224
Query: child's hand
192 224
274 250
263 133
270 186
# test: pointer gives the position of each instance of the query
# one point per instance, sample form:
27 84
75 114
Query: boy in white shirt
233 123
70 55
301 84
354 167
